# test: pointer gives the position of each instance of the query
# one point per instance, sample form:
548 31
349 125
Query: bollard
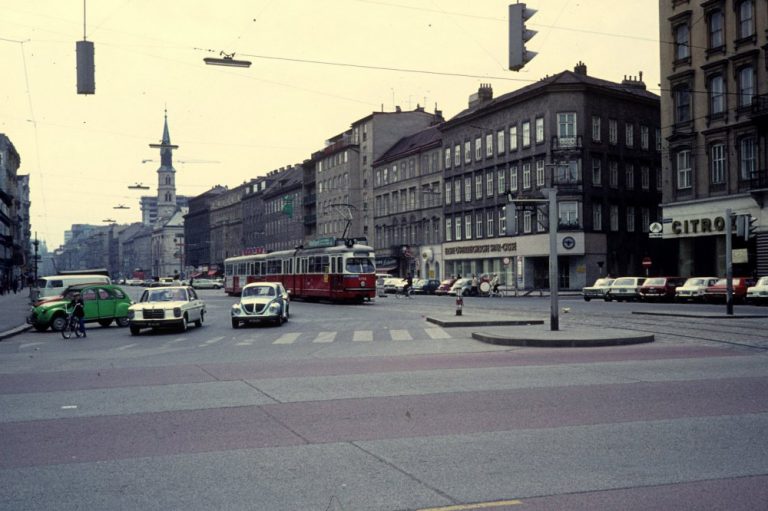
459 304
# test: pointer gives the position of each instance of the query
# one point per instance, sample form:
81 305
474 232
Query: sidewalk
14 309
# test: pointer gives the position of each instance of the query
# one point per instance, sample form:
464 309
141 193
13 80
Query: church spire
166 179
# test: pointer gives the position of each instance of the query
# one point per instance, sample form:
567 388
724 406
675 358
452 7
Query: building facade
408 207
12 242
197 230
714 109
595 141
283 207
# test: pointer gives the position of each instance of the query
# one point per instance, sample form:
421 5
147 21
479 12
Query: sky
317 66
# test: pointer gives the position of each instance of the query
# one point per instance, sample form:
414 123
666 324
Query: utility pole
728 262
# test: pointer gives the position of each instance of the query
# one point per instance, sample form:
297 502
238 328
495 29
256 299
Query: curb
449 323
14 331
701 315
564 342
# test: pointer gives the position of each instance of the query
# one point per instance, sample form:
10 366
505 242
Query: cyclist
78 311
408 285
495 285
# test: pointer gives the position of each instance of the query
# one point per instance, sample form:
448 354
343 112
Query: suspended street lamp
227 60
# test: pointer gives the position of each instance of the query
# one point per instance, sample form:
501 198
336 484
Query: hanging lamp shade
86 82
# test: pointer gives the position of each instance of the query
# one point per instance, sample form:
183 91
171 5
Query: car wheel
287 312
280 319
122 322
105 322
586 298
235 323
58 323
199 322
607 298
184 323
135 330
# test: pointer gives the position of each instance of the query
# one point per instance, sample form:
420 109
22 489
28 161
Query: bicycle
403 293
71 326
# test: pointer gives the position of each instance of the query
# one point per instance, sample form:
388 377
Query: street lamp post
36 243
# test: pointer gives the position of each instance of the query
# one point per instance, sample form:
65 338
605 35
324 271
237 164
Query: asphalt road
369 407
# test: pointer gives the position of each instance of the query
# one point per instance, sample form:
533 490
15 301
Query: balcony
757 180
573 143
569 225
759 110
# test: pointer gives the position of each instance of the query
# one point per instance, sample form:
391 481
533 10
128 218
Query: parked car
660 288
206 284
758 294
598 289
261 302
462 287
445 286
134 282
425 286
103 303
166 307
394 284
693 288
717 291
380 279
624 288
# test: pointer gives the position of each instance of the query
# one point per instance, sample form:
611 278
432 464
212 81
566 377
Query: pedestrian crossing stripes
287 338
324 337
363 336
400 335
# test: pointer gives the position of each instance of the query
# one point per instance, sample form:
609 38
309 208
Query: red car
717 292
660 288
445 286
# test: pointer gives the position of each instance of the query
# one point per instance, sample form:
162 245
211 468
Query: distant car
134 282
660 288
166 307
380 279
425 286
717 291
624 288
206 284
103 303
693 288
261 302
758 294
394 284
445 286
598 289
462 287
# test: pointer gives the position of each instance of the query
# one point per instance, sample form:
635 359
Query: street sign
655 230
647 263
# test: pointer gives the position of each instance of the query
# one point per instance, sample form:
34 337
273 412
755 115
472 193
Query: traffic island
567 338
481 320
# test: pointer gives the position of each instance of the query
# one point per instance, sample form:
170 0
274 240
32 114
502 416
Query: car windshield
694 282
603 282
359 265
655 282
165 295
623 282
762 282
259 291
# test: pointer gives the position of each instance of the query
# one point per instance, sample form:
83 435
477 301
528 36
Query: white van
56 284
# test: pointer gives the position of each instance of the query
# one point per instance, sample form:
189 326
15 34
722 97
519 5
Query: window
489 145
457 191
747 158
716 39
539 130
658 179
597 173
447 192
467 189
682 48
630 177
746 19
526 134
645 219
682 97
566 128
447 158
645 178
467 152
716 95
629 135
683 169
597 217
614 217
503 221
526 176
479 186
489 183
644 137
746 86
630 219
613 174
478 149
658 140
457 231
513 138
468 226
501 181
613 131
596 137
513 178
448 227
527 221
500 144
456 155
717 163
540 173
479 225
541 220
489 223
568 172
568 214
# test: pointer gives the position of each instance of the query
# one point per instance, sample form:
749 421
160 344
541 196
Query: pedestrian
495 284
15 285
78 311
473 291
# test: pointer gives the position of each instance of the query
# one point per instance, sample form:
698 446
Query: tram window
359 265
326 265
228 269
288 266
274 266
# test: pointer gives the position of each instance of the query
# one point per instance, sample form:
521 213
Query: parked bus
339 270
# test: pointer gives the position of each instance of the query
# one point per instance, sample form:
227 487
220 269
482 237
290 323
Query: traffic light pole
728 262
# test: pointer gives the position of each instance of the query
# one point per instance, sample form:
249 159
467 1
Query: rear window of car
655 282
623 282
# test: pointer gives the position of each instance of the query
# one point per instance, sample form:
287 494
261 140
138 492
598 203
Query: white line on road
69 407
437 333
400 335
127 346
29 344
363 336
287 338
210 341
325 337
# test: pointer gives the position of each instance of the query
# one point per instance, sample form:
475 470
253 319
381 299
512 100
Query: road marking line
127 346
244 343
400 335
325 337
27 345
210 341
437 333
471 507
363 336
69 407
287 338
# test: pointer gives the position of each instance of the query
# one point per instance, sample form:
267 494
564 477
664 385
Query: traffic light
745 227
518 35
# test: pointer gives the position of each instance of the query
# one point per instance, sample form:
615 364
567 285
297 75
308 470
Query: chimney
634 82
483 95
580 69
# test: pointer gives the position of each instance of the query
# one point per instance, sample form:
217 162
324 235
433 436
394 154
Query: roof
406 146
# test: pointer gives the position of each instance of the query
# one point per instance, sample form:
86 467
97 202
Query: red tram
330 269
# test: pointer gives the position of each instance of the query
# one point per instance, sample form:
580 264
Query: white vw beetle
164 307
261 301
